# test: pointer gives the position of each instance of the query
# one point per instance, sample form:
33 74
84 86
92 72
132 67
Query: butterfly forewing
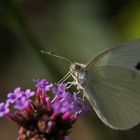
126 55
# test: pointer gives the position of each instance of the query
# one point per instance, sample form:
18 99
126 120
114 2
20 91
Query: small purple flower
79 106
66 102
13 96
28 93
21 103
60 89
3 109
43 85
19 99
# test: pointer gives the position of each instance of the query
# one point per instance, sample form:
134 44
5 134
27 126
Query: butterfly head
78 71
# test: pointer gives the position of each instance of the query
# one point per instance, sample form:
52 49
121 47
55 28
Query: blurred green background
76 29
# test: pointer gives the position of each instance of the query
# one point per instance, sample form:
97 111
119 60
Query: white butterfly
111 83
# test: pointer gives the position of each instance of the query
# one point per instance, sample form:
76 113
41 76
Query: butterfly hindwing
115 95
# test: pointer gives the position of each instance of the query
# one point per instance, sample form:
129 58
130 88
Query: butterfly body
79 73
83 81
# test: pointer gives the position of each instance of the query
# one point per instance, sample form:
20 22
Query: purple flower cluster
43 116
67 103
18 99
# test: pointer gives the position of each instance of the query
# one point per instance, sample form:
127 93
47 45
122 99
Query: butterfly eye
137 66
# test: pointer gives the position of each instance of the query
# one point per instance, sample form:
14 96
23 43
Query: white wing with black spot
114 89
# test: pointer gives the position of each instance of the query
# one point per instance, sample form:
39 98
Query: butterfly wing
114 90
114 93
126 55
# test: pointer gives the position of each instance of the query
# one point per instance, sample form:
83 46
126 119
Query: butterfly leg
64 78
73 83
84 95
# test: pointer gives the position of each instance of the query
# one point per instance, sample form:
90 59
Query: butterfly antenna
58 56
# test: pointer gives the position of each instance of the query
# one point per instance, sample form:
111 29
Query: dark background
76 29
